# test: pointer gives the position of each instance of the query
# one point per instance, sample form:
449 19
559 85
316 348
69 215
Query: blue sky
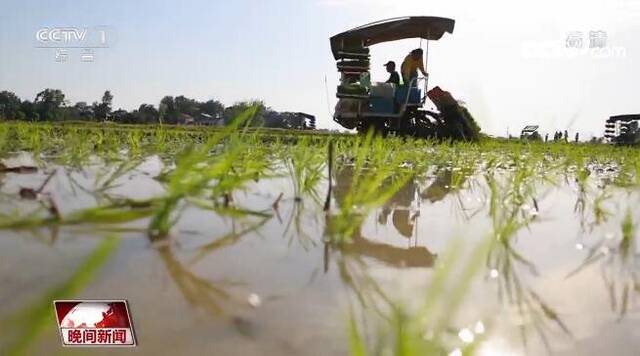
278 51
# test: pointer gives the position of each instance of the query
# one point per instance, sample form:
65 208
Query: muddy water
271 286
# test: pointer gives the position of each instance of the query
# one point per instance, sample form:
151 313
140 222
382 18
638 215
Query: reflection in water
404 208
212 296
504 261
197 291
618 254
451 182
509 214
401 206
620 263
598 214
416 256
350 255
366 261
441 186
25 326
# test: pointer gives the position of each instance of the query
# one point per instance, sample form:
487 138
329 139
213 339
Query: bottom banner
94 323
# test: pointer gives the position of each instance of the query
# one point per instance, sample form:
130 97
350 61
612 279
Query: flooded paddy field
227 241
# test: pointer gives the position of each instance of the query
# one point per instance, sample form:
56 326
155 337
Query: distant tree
10 106
186 106
120 116
168 103
103 109
238 108
70 113
85 112
28 109
168 111
147 113
49 103
212 108
107 101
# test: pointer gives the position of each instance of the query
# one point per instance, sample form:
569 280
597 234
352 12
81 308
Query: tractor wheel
421 125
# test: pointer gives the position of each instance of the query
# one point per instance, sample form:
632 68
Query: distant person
394 77
546 137
577 137
410 66
566 136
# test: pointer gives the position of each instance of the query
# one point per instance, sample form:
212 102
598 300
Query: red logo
94 323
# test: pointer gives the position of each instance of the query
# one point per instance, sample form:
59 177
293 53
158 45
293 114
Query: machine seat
414 95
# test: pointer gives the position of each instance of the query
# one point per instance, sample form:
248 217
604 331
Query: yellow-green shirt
411 65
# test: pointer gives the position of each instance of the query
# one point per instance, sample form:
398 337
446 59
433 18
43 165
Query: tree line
51 105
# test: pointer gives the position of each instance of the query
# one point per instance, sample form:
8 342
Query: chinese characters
97 337
597 39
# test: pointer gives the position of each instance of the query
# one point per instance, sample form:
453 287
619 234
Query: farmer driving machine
389 108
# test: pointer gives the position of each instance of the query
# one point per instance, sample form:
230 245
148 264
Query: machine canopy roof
426 27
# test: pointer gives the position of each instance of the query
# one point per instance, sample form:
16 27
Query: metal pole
426 67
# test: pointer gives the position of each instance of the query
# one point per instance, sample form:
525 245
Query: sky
507 60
